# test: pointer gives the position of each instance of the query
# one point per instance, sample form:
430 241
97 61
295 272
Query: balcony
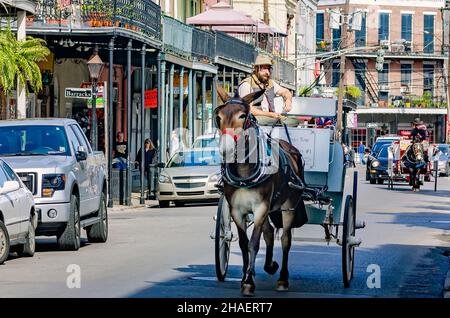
232 49
284 71
142 16
177 37
203 45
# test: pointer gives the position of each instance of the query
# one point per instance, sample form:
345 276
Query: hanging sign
151 98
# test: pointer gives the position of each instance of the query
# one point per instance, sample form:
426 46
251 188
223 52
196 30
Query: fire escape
371 85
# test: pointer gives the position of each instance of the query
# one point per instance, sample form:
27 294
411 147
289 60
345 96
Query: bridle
259 173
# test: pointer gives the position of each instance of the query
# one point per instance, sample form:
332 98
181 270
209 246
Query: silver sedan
190 176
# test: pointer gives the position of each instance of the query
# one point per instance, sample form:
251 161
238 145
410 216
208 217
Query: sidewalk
135 204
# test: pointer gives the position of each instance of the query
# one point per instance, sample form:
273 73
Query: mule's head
232 118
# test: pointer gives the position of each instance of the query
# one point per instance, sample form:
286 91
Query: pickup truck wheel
27 249
98 233
4 243
69 239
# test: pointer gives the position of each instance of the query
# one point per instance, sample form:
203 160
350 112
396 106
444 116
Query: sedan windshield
33 141
383 152
443 149
194 158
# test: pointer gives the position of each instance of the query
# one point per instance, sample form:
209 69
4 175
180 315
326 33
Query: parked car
190 176
379 165
443 157
206 141
18 217
67 178
375 150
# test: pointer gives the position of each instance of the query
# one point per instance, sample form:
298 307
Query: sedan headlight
163 178
375 164
214 177
52 183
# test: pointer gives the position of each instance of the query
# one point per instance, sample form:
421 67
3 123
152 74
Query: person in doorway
361 149
264 107
150 156
120 147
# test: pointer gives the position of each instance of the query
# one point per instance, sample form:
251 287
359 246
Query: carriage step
352 241
360 224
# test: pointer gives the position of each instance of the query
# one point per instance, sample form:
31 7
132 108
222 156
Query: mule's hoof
248 290
272 269
282 286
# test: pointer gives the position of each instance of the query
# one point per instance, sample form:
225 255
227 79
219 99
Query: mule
250 190
414 161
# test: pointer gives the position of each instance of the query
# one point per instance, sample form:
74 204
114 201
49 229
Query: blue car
381 141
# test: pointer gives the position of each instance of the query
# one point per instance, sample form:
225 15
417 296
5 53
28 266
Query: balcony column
21 91
214 92
110 117
180 111
172 73
202 131
224 78
142 168
129 123
189 112
232 81
194 106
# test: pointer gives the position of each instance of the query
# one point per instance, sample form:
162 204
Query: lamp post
95 66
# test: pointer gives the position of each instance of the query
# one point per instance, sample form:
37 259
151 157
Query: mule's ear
223 94
253 96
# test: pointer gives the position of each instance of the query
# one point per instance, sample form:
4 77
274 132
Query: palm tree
18 62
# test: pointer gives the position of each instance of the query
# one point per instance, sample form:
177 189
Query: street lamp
95 66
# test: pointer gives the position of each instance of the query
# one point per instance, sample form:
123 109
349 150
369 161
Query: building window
383 76
406 70
428 78
407 30
383 29
428 33
336 74
320 27
336 39
360 36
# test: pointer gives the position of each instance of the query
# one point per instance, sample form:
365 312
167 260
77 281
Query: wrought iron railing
203 45
283 71
233 49
143 16
177 37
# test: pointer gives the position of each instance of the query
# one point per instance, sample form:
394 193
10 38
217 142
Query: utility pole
266 12
344 29
445 51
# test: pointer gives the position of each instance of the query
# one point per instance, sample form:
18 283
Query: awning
221 14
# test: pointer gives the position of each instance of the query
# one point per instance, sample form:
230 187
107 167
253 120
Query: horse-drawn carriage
410 162
329 191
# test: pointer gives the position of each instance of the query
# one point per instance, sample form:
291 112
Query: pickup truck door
81 172
93 177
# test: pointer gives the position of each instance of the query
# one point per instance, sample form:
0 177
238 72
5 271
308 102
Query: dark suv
375 150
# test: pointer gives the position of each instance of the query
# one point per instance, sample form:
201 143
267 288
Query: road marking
215 279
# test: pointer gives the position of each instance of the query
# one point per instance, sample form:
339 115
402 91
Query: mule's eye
243 116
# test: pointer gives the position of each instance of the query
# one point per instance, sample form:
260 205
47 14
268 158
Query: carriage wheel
223 238
348 250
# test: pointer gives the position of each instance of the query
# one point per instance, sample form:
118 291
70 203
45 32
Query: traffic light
380 60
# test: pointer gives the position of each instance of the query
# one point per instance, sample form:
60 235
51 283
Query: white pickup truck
67 178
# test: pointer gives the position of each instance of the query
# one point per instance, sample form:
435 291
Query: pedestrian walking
150 156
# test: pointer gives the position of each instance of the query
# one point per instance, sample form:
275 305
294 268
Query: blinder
237 101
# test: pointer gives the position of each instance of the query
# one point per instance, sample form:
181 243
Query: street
153 252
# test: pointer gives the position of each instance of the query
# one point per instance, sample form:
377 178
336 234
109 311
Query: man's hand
287 105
